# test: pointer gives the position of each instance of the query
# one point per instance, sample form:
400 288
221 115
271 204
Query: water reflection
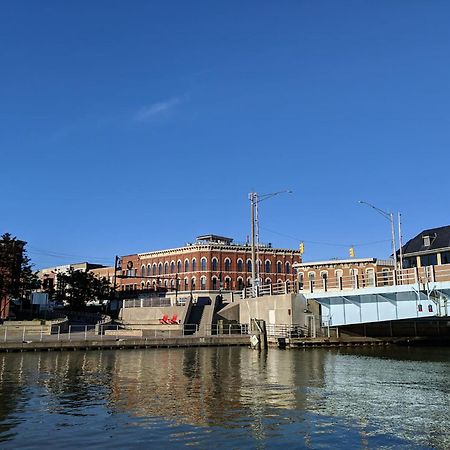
233 397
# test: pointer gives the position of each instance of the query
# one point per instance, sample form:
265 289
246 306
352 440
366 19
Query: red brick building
211 263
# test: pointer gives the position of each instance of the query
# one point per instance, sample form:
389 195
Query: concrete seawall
130 343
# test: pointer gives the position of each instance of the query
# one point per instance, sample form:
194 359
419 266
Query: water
227 398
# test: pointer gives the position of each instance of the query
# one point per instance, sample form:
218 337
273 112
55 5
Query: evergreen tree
17 278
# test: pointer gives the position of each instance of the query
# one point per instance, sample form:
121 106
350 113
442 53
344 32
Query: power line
54 254
326 243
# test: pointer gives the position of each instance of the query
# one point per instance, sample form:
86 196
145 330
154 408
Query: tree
78 288
17 278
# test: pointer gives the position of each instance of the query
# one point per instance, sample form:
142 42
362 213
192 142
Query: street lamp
255 199
389 216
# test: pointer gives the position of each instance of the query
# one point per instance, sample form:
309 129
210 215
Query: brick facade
206 266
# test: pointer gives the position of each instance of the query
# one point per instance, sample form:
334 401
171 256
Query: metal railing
386 277
155 302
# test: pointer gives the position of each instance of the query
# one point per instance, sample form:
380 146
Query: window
240 284
179 266
249 265
268 266
227 283
370 277
445 258
166 268
279 267
227 264
288 267
149 269
300 280
203 283
154 268
214 283
203 265
160 266
240 265
193 283
268 281
186 265
428 260
143 271
172 267
186 284
194 265
339 273
214 264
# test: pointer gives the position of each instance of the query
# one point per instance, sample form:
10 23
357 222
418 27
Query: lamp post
389 216
255 199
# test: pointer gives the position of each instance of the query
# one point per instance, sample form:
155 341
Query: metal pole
41 333
70 329
59 331
400 239
252 240
85 332
6 331
23 334
394 251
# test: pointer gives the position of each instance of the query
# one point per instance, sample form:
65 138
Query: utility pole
389 216
400 239
255 199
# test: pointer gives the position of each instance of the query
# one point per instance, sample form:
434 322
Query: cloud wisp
150 112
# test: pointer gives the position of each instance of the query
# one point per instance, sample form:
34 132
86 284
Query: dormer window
428 240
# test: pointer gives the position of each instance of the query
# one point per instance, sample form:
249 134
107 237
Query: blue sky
132 126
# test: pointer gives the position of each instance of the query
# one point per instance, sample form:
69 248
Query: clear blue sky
132 126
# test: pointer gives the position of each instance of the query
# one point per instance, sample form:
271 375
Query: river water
227 398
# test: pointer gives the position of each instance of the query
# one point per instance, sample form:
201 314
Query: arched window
268 266
154 269
148 284
279 267
339 273
193 283
165 283
186 265
166 268
142 285
186 284
227 264
249 281
194 265
214 264
160 266
240 284
203 265
203 283
143 271
268 281
300 280
288 267
214 283
370 277
149 269
172 267
249 265
240 265
179 266
172 283
354 277
227 283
